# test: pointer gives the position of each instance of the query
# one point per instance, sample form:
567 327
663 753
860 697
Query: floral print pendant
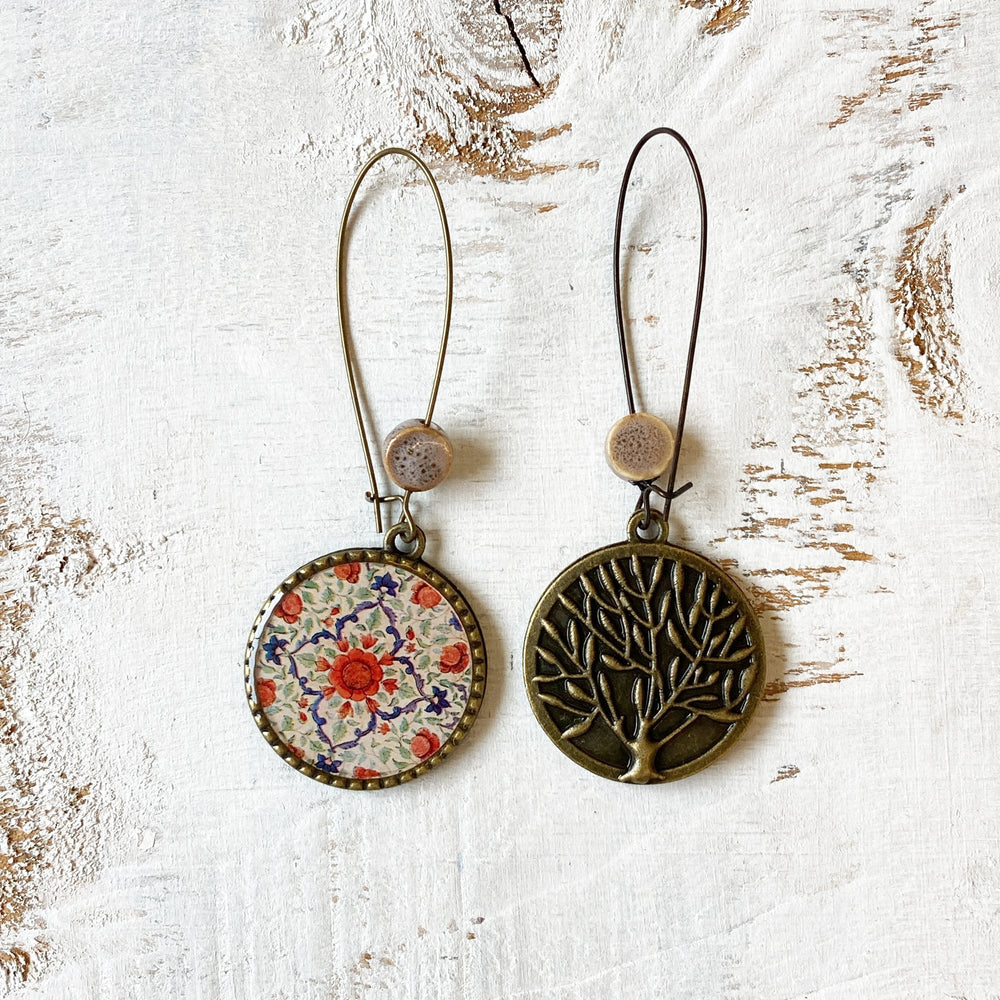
365 668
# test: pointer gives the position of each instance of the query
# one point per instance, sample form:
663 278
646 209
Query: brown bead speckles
639 447
417 456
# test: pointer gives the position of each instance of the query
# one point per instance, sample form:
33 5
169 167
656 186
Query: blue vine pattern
374 669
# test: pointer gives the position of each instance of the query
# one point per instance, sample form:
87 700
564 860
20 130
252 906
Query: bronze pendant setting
643 661
365 668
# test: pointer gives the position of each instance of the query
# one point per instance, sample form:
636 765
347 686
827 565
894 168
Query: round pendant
365 668
643 662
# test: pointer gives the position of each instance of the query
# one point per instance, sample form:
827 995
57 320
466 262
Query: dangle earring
367 666
644 661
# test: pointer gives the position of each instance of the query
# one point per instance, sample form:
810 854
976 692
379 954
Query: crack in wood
517 41
447 85
837 455
800 678
810 673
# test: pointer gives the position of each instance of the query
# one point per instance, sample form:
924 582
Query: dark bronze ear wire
374 496
646 488
644 661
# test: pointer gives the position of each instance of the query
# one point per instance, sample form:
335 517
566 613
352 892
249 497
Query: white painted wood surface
176 438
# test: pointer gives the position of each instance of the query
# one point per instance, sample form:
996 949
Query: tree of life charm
643 662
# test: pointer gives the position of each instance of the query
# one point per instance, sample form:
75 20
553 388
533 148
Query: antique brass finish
345 659
399 532
373 495
388 557
643 661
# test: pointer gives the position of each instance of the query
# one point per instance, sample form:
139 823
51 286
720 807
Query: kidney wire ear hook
406 529
643 660
648 487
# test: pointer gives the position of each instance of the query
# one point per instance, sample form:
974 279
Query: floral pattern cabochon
365 668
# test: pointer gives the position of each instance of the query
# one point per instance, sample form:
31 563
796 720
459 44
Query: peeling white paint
172 181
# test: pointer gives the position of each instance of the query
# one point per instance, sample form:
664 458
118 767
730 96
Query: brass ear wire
647 487
374 496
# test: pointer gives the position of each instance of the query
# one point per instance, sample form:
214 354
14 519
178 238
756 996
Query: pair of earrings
643 661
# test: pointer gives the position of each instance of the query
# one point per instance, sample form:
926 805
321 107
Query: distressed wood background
175 439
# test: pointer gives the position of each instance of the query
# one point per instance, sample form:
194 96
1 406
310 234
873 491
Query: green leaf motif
380 744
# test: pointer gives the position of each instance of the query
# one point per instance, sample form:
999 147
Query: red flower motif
298 751
289 608
390 684
384 728
367 641
345 710
365 772
425 595
331 619
410 634
372 704
356 674
424 744
348 571
454 659
302 716
303 702
266 693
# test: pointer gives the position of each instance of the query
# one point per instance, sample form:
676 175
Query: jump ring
411 536
637 523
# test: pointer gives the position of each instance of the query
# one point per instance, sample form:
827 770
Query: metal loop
646 490
636 526
373 495
409 535
405 515
669 494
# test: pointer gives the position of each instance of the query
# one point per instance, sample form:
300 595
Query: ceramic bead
417 456
639 447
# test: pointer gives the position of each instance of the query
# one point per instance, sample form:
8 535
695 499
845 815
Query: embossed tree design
643 648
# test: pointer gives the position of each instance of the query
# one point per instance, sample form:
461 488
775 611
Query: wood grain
457 76
176 437
49 820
